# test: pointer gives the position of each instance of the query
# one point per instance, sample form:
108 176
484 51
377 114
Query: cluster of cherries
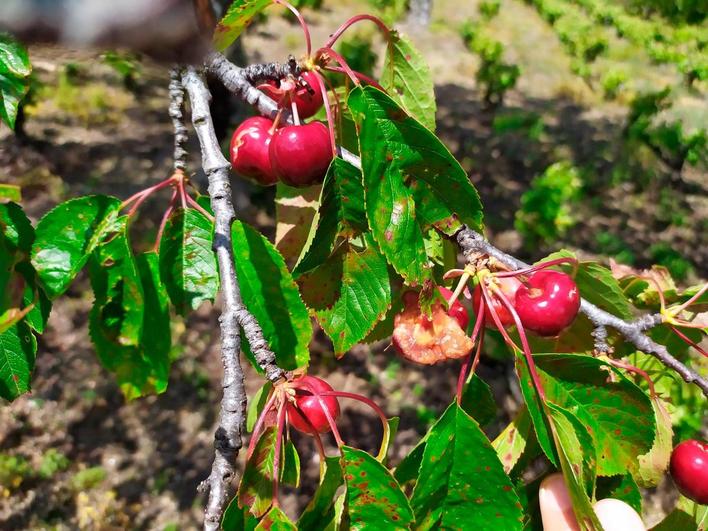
298 155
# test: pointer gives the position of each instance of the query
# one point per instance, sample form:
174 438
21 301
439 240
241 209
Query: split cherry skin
308 406
250 150
548 302
300 154
689 470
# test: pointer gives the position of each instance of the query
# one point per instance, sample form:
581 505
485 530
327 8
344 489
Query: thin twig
232 414
471 243
175 110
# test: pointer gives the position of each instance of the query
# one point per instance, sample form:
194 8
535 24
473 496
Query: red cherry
689 469
309 407
457 311
250 155
548 302
300 154
509 287
308 98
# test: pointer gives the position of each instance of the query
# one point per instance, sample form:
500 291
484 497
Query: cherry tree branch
175 110
228 437
472 243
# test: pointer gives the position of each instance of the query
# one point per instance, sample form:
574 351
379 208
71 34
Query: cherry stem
384 421
466 365
276 121
276 456
688 340
258 427
328 111
342 63
458 290
383 27
301 20
141 196
296 115
538 267
361 77
522 336
199 208
631 368
662 299
163 223
182 194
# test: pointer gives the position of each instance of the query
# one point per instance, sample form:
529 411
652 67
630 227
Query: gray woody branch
232 414
176 103
472 242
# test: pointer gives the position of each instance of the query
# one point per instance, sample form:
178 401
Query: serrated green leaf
373 495
621 488
16 227
511 442
320 511
18 349
295 210
276 520
617 413
575 460
653 464
290 460
67 235
237 18
271 295
406 77
33 294
401 158
237 519
256 488
187 262
478 401
14 59
461 483
352 295
12 90
341 212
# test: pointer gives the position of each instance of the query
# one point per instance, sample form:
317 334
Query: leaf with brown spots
373 495
512 441
462 483
256 488
276 520
237 18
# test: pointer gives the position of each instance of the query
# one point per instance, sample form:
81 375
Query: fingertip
616 515
556 506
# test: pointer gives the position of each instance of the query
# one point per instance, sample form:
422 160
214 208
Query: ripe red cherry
689 469
508 286
457 311
308 98
309 407
548 302
300 154
250 155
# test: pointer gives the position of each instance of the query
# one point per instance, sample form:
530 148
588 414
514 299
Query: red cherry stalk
361 77
163 221
328 111
199 208
538 267
258 427
335 36
303 24
276 457
690 301
462 378
140 197
342 63
689 341
636 370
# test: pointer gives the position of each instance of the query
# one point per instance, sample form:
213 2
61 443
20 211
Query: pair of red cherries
546 303
297 155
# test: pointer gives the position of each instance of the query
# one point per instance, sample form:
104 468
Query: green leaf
478 401
373 495
16 227
618 415
237 18
653 465
622 488
10 192
237 519
320 511
14 59
276 520
349 294
271 295
256 488
576 456
129 321
12 90
290 460
18 348
341 212
187 263
411 182
406 77
33 294
295 210
256 404
409 467
462 483
67 235
512 441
